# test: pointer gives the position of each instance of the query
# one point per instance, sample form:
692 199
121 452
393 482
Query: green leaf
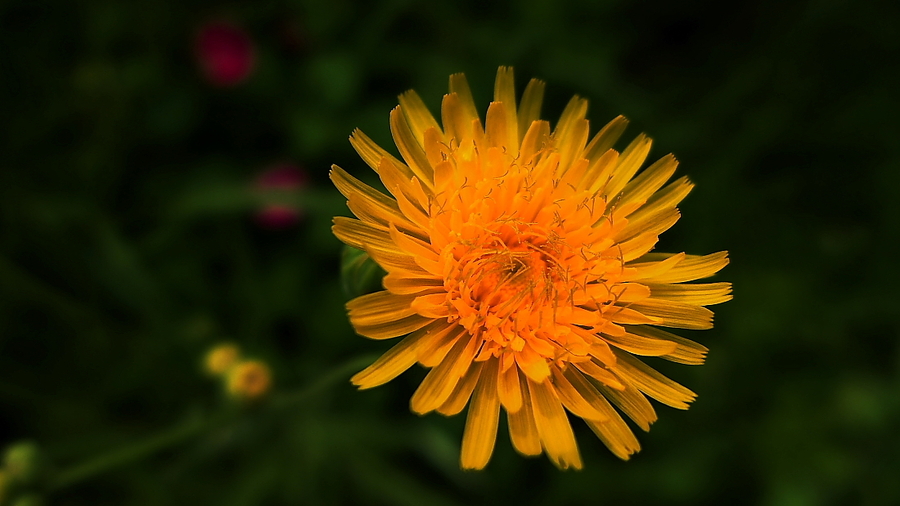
359 273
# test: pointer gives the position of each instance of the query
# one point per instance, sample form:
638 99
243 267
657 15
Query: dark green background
128 245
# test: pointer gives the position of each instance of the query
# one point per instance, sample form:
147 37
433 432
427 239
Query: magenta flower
285 178
225 53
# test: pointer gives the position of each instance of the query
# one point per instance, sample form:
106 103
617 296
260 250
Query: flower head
519 269
286 179
221 358
249 380
225 53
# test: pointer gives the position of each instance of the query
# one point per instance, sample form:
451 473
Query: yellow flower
221 358
250 380
519 269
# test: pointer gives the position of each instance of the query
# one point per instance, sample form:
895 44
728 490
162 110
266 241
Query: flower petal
686 352
442 379
463 391
509 391
417 115
522 428
553 426
393 363
653 383
530 106
481 424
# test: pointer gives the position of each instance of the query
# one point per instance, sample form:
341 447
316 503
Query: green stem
131 453
191 428
336 374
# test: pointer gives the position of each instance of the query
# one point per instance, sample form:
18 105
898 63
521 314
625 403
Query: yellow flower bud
221 358
250 379
23 462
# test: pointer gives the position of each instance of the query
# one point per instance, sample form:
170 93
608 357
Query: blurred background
163 189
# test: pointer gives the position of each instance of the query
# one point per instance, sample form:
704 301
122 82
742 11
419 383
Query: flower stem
193 427
130 453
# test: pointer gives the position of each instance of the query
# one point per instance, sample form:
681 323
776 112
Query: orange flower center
515 271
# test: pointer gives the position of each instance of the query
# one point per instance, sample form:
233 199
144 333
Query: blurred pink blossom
283 178
225 53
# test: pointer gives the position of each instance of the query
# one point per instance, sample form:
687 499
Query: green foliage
131 242
359 273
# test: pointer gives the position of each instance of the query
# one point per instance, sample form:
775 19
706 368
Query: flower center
510 294
509 279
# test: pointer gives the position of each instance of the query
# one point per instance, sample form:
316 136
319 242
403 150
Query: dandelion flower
221 358
249 380
519 270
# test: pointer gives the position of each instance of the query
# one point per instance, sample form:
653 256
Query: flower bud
22 463
249 380
221 358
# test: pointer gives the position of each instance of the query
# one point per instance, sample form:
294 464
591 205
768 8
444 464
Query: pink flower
285 179
225 53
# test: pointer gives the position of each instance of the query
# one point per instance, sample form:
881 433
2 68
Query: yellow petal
637 246
417 115
686 352
393 262
442 379
644 270
675 314
553 426
574 112
535 139
460 86
410 148
436 150
649 181
460 396
522 428
600 373
505 93
571 146
457 124
701 294
530 107
415 247
631 160
394 328
640 345
379 308
481 424
693 267
532 364
363 235
496 129
649 224
393 363
616 435
437 343
632 402
654 384
404 284
508 389
350 186
665 199
408 200
432 305
375 156
598 174
572 398
605 138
